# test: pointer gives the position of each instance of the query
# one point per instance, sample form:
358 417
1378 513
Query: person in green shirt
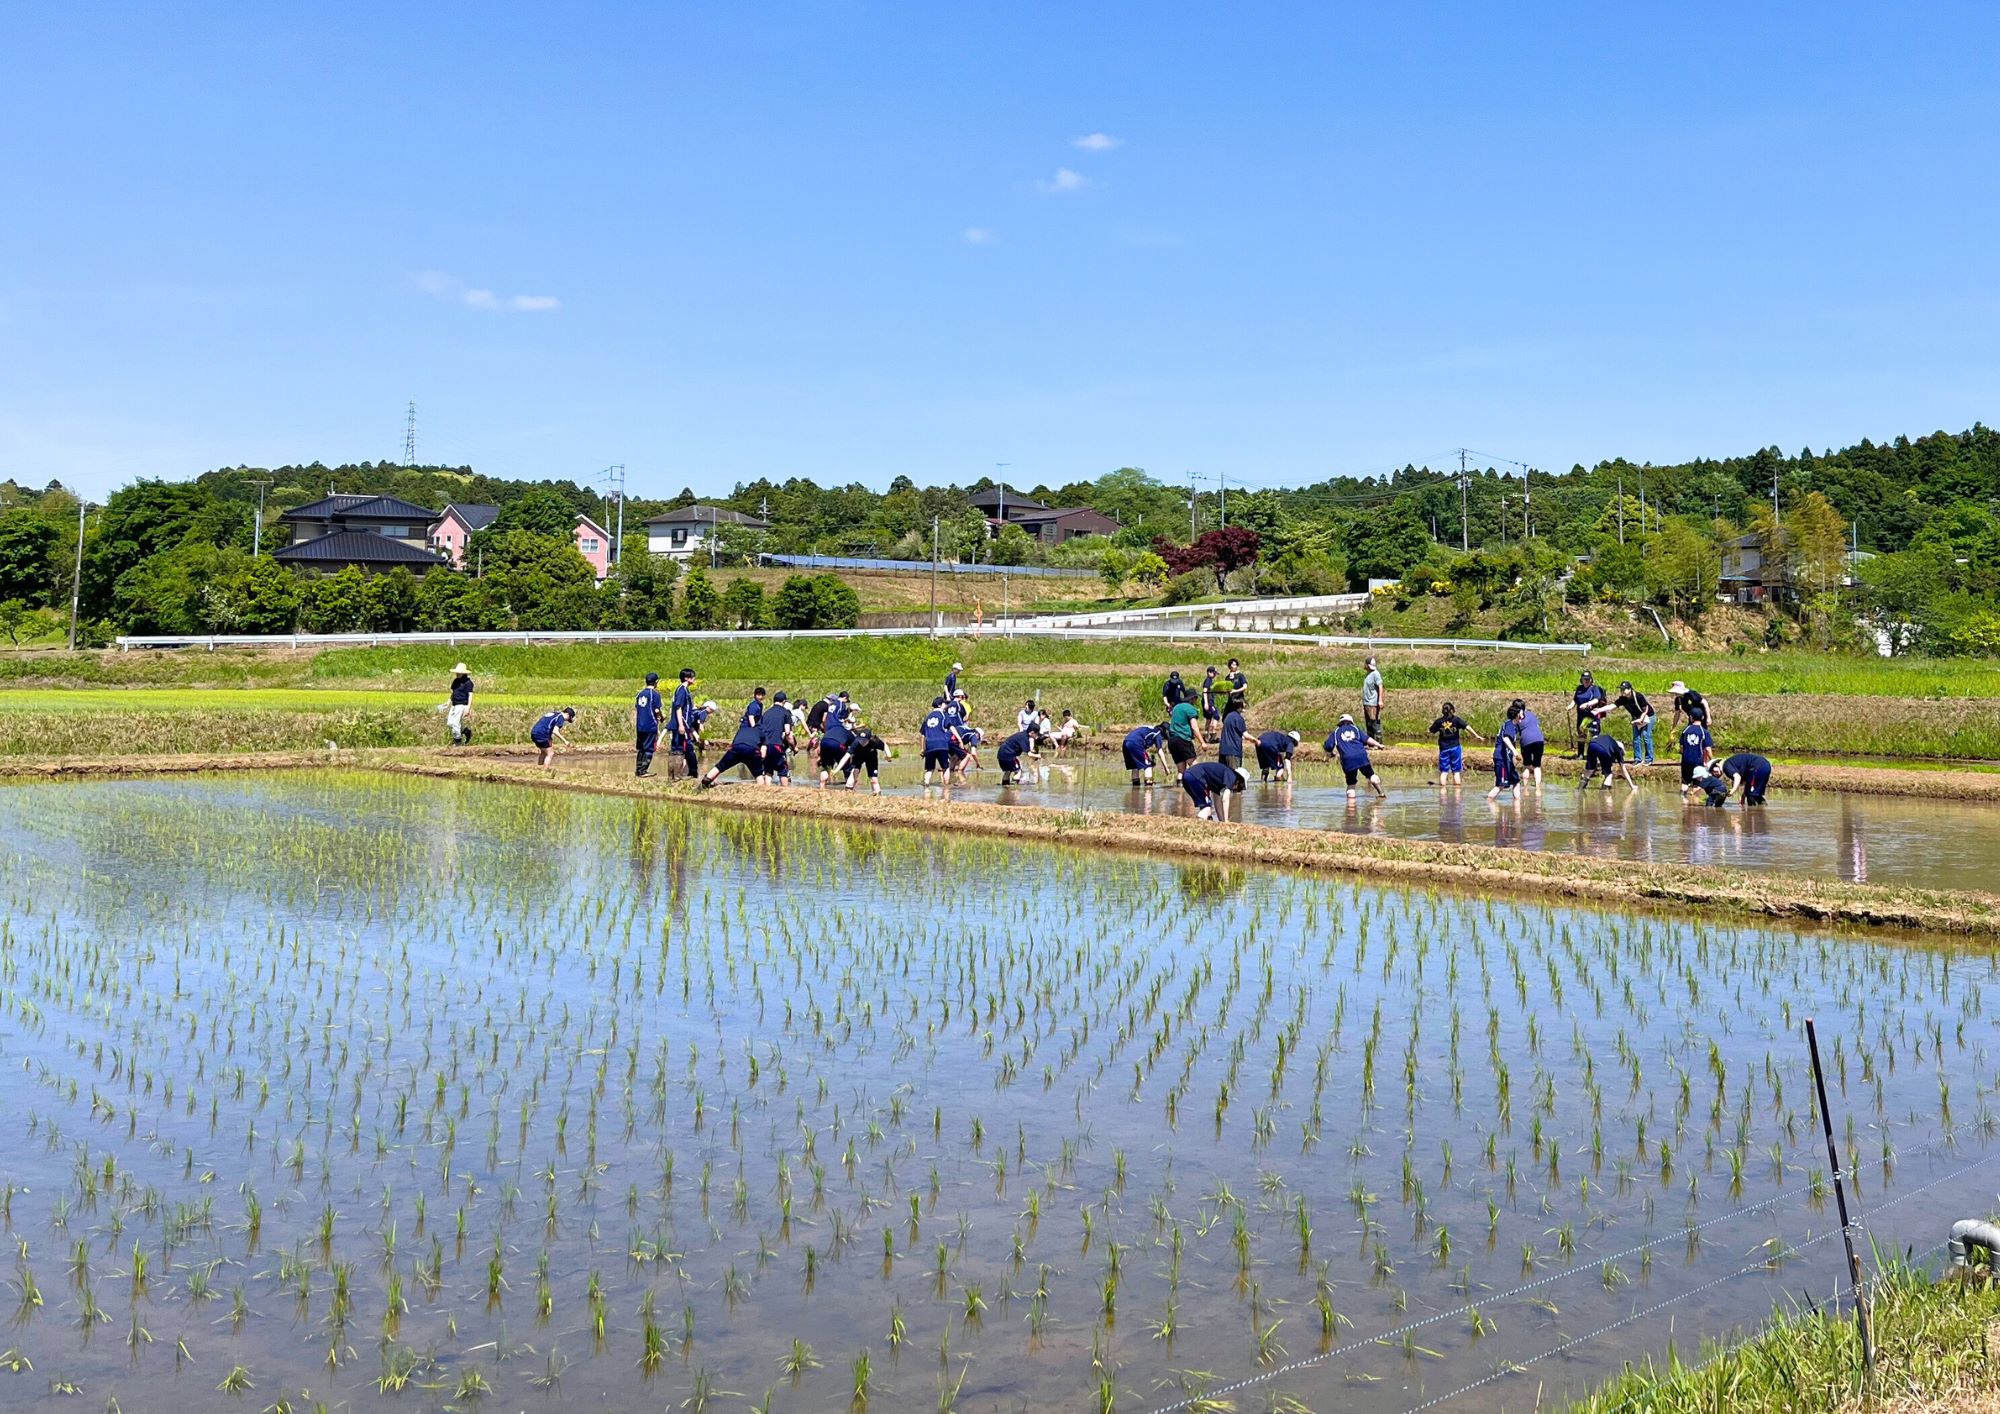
1184 735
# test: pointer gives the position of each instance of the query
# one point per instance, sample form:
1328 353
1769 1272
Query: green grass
1930 1343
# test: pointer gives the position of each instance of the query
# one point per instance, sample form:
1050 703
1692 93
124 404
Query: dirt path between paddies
1378 859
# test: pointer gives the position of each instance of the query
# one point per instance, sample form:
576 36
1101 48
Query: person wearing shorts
1350 744
746 748
1450 730
1141 746
646 714
1696 747
1274 754
1506 754
1021 743
547 733
864 753
940 733
1209 787
1745 769
1529 742
1605 756
835 736
1183 733
1229 749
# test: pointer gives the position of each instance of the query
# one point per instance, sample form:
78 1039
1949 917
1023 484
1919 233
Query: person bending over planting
1142 745
1507 753
1746 770
1275 751
746 748
1020 744
547 733
1605 756
1350 744
1209 785
864 753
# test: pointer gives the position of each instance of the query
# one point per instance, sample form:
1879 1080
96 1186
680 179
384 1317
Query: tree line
1901 537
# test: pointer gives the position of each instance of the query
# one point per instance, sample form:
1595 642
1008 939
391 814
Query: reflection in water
1852 857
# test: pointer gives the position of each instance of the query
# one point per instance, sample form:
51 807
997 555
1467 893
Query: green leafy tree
1149 569
701 606
451 602
816 601
1013 546
1112 567
13 615
1384 544
743 605
27 556
392 601
534 576
334 603
139 520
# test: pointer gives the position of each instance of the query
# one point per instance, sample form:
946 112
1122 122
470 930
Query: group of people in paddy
771 729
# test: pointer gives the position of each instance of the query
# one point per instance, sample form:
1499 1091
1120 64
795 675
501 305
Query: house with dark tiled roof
372 532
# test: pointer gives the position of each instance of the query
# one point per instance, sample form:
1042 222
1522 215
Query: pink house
454 526
593 542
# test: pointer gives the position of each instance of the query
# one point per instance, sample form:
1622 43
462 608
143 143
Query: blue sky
853 241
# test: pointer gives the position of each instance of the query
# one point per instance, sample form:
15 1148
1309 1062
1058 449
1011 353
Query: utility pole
994 554
1527 526
1464 506
76 584
934 574
1621 508
257 526
1222 505
1190 505
1503 512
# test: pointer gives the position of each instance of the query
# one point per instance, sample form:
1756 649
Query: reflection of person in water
1852 859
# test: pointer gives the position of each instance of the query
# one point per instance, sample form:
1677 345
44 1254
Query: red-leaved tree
1231 548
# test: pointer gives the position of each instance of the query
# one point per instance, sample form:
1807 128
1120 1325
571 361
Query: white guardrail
213 641
1232 608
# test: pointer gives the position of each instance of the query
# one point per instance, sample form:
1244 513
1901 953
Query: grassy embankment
1788 705
1932 1342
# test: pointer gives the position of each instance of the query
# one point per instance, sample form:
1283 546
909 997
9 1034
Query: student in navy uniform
835 736
1450 729
1021 743
1696 747
1351 744
951 681
1274 754
1209 786
1237 682
547 732
1208 712
775 730
940 733
1507 752
683 732
1229 750
1173 692
1745 770
1529 742
746 748
1586 699
646 714
1141 746
965 754
863 753
1605 756
816 716
1640 709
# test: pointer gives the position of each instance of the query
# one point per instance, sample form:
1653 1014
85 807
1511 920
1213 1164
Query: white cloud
1097 142
978 235
441 285
1065 180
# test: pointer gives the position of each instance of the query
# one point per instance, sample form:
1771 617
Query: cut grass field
1787 705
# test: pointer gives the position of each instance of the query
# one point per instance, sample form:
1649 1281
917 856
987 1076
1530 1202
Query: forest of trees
175 556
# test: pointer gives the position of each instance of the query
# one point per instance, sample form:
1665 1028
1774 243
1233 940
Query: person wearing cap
683 731
1141 746
1587 698
951 681
458 716
1745 770
1605 756
1173 692
1209 785
646 713
1641 711
775 731
1374 697
1274 754
1450 729
1350 743
547 733
1689 704
1229 746
746 748
1507 752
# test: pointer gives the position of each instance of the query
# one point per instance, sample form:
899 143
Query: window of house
588 544
395 532
680 535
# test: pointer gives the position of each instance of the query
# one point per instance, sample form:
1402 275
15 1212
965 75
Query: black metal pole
1861 1322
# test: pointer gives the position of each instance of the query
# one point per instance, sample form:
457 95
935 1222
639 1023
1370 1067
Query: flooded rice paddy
1826 835
398 1094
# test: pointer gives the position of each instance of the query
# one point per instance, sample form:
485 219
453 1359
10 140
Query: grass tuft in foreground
1931 1352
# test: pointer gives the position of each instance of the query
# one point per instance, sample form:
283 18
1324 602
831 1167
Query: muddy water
1861 839
512 1073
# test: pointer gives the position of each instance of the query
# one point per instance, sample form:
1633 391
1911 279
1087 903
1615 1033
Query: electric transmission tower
410 438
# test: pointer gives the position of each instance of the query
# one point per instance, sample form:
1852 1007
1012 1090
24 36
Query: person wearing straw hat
1690 705
458 717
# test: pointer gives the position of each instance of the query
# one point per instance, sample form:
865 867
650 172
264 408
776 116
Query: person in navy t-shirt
1507 752
775 734
835 734
1229 750
1696 747
682 730
646 714
1141 746
547 733
1350 744
940 733
1745 769
1209 785
1021 743
1605 756
1274 754
746 748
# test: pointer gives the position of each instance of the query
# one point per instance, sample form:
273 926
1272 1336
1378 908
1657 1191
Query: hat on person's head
461 668
1677 686
652 678
1624 687
708 706
1295 736
1701 773
1347 717
958 667
958 694
780 697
